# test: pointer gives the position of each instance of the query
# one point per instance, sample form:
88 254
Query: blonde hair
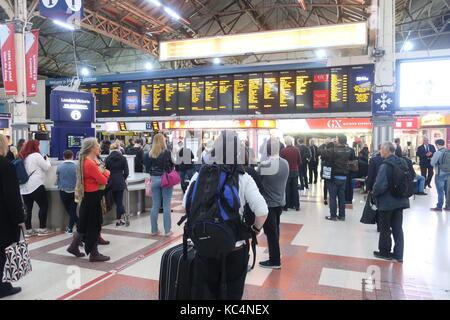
3 145
86 148
115 146
158 146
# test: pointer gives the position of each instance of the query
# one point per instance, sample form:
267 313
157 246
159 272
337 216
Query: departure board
146 97
226 93
321 89
171 95
271 92
303 92
361 81
287 90
255 91
159 96
211 94
184 95
131 97
197 94
240 93
116 90
338 88
104 99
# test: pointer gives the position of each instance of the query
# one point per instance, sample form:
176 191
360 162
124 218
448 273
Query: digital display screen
255 91
74 141
171 95
338 88
197 94
116 90
226 93
271 92
240 96
287 90
321 89
303 91
424 84
146 97
361 81
211 94
132 98
159 95
184 95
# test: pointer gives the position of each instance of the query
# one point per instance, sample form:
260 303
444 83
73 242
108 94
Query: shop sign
8 57
340 123
434 120
407 123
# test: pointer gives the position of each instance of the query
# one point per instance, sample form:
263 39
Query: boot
6 290
74 247
95 256
102 241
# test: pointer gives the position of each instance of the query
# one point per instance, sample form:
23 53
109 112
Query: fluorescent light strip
172 13
64 25
156 3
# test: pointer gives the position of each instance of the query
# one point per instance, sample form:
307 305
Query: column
382 24
19 107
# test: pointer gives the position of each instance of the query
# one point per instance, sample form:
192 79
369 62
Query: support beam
7 7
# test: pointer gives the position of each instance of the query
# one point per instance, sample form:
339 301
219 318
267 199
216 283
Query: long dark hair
30 147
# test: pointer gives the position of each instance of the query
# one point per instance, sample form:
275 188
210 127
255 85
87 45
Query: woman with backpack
36 167
157 163
214 274
117 164
11 213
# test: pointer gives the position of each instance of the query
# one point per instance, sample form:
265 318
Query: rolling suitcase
176 274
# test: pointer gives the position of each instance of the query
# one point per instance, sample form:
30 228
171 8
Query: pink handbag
171 179
148 187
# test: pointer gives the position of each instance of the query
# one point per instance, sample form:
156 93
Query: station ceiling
122 36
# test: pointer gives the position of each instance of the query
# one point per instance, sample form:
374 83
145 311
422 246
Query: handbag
369 215
148 187
171 179
353 166
326 172
18 262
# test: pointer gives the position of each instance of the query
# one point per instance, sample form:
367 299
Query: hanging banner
8 52
31 58
65 11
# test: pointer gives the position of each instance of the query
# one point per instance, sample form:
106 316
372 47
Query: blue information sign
67 11
69 106
383 104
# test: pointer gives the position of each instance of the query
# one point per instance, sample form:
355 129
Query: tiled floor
320 259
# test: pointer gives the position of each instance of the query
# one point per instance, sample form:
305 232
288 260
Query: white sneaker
43 232
170 233
30 233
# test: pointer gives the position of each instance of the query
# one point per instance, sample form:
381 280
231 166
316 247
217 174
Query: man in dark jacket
305 154
339 157
313 162
137 150
390 208
425 153
11 213
374 165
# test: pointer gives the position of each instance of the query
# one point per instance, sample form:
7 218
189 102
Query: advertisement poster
31 58
8 52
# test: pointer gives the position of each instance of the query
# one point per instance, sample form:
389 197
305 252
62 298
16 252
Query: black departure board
226 94
255 91
184 95
271 92
303 92
321 89
171 95
146 97
361 81
159 96
240 93
197 94
338 89
317 90
211 94
116 90
287 90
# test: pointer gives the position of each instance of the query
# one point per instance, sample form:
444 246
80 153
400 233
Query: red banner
8 52
407 123
340 123
31 58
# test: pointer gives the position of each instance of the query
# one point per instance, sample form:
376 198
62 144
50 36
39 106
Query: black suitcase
175 278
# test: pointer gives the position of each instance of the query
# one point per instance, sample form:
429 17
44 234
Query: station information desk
57 219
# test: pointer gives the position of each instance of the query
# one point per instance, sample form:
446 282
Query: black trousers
40 197
325 189
207 272
427 173
390 222
349 189
272 231
303 176
312 166
292 197
118 200
68 200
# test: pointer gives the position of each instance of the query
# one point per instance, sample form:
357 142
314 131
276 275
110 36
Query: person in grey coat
390 208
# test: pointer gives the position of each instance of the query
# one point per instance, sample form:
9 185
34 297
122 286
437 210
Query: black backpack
401 181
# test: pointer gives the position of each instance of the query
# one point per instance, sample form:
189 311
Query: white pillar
382 24
19 107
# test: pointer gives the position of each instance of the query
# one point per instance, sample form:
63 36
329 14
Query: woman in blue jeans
158 162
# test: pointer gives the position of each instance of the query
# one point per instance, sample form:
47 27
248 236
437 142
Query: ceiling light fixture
85 71
172 13
321 54
64 25
408 46
156 3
